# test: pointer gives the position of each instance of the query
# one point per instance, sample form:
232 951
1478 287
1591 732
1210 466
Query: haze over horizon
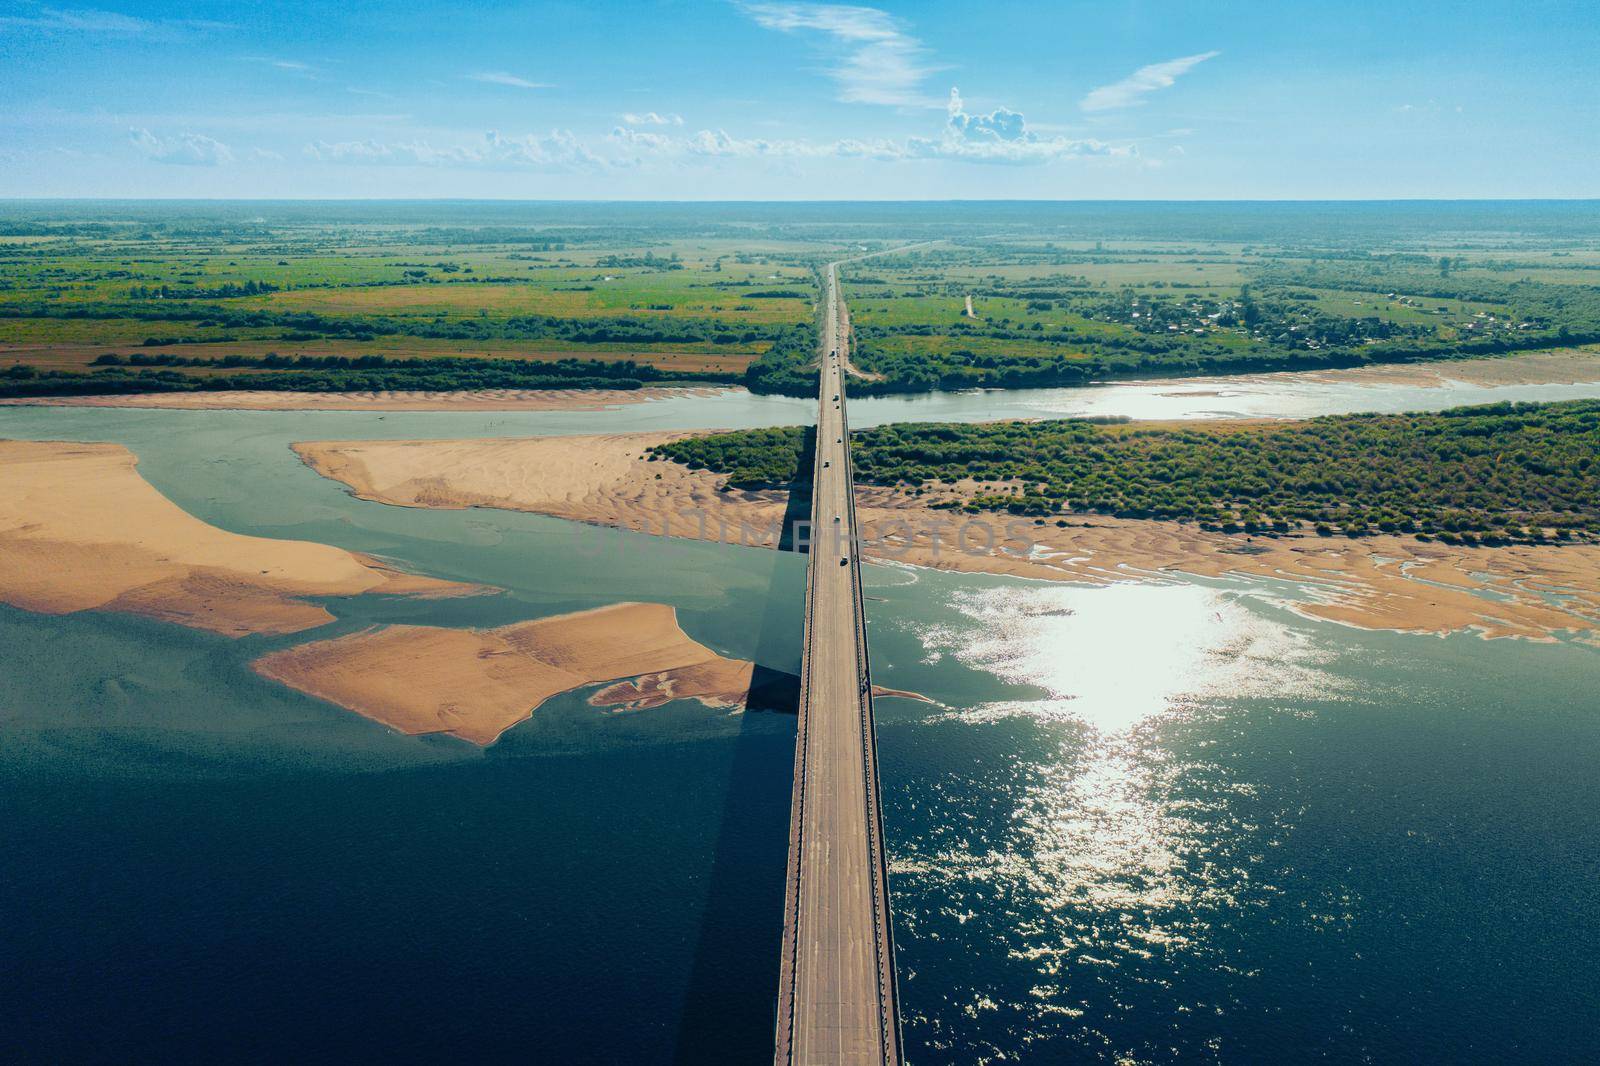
799 101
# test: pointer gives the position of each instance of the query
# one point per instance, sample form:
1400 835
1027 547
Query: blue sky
774 100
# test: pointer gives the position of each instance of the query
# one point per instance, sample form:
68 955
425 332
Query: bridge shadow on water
799 506
730 1005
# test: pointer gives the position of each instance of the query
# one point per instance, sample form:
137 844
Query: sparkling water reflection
1148 823
1114 851
1113 657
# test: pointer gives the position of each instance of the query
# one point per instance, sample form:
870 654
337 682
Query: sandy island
81 530
476 684
1382 582
460 400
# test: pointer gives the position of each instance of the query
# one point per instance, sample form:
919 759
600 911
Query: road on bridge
837 1001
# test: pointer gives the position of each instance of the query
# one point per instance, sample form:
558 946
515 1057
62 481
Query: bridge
837 998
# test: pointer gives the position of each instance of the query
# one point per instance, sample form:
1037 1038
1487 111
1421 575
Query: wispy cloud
878 62
500 77
95 21
651 118
288 66
185 149
560 150
1000 136
1132 89
1432 107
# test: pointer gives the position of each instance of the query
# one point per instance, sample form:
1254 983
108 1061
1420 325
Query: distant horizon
841 200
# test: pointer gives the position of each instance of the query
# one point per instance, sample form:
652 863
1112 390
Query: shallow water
1164 822
1263 396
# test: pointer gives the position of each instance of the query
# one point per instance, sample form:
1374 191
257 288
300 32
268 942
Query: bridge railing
888 978
789 960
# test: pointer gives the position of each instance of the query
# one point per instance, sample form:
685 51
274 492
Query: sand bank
1562 366
81 530
460 400
476 684
602 478
1385 582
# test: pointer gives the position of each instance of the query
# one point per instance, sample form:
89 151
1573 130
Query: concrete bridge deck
837 998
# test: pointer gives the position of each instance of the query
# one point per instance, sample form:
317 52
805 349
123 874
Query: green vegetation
663 296
1496 474
1106 292
1063 294
335 374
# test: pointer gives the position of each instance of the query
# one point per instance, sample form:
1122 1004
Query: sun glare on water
1117 851
1114 657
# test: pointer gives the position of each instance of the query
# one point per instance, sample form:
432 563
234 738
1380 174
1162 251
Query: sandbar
1382 582
477 683
81 530
1556 366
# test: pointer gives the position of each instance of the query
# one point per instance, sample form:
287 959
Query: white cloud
90 20
720 144
879 63
186 149
292 66
560 150
500 77
652 118
642 140
1132 89
1430 108
1001 124
1001 136
712 144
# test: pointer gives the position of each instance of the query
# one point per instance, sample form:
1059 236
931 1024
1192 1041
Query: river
1158 822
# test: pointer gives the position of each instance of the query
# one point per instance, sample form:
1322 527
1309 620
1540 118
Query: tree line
1503 473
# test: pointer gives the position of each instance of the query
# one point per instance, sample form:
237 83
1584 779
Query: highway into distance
837 1001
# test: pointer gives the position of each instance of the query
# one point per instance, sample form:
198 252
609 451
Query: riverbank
1381 582
1572 366
1561 366
459 400
81 530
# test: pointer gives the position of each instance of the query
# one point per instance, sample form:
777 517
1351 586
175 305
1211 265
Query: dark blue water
200 865
1164 823
1395 859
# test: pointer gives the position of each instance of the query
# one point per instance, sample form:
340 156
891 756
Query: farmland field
140 296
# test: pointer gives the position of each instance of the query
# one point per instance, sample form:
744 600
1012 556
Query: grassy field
1056 312
224 289
1062 294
